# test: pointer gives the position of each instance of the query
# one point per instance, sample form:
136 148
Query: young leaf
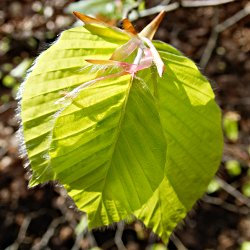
117 126
192 124
140 144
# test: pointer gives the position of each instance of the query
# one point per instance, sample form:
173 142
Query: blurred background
213 33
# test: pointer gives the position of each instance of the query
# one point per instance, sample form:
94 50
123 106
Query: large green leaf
144 146
192 124
107 142
59 68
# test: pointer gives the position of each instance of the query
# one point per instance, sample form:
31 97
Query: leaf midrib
116 139
119 125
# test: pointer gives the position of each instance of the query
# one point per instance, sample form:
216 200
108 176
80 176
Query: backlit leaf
143 146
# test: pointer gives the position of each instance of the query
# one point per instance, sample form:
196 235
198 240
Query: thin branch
203 3
238 152
225 205
77 243
6 106
165 2
233 19
209 49
164 5
118 236
84 233
155 10
127 11
23 229
218 28
177 242
233 191
21 234
91 239
49 233
211 42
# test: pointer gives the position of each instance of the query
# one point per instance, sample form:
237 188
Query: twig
48 234
156 10
238 152
118 236
79 237
165 2
164 5
211 42
127 11
233 19
6 106
21 234
218 28
203 3
233 191
179 245
91 239
225 205
83 233
23 229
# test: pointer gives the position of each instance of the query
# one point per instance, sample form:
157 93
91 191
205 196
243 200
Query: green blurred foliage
233 167
4 45
5 98
82 225
213 186
11 75
245 245
230 125
9 81
111 10
246 189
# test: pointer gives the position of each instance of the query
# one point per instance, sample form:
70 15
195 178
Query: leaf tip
84 18
152 27
128 26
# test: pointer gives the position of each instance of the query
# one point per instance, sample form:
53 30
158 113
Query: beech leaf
127 145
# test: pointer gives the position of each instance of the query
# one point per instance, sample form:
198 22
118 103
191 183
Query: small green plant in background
233 167
245 245
246 189
127 125
11 75
230 125
213 186
107 9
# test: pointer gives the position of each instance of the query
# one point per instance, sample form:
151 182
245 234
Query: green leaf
108 8
233 167
192 125
117 126
93 7
9 81
123 147
213 186
230 125
58 69
246 189
245 245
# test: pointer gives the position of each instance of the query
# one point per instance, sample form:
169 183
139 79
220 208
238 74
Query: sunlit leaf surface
144 146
